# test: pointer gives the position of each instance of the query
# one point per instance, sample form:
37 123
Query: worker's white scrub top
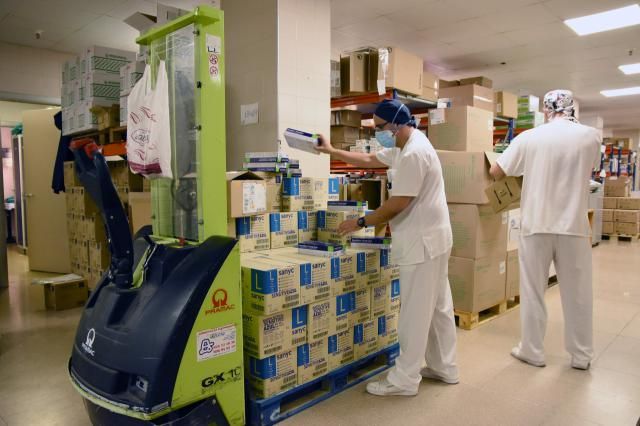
422 231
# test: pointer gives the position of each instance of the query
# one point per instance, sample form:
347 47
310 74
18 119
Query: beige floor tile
633 328
566 418
495 389
622 355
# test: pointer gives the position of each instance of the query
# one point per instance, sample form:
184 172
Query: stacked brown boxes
464 135
477 267
88 247
345 128
620 214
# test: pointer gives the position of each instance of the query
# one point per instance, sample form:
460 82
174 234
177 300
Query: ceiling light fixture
630 68
605 21
621 92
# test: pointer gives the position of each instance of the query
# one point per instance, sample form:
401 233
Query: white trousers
572 258
426 327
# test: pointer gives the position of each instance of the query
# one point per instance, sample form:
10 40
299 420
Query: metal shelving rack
366 105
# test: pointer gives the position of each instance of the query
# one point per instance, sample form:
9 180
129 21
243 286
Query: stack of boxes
88 246
529 115
621 213
304 315
463 136
300 323
129 76
345 128
90 81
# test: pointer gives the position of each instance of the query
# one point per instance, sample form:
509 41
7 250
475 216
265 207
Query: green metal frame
210 116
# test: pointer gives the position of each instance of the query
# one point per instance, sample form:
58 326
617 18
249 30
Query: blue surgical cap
395 112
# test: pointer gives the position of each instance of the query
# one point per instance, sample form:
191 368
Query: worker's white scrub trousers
572 258
426 327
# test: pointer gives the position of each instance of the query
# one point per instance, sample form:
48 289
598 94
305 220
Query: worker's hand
348 227
324 145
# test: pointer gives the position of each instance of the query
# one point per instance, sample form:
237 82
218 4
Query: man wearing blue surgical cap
419 219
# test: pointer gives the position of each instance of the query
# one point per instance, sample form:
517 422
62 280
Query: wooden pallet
268 411
620 237
513 303
471 320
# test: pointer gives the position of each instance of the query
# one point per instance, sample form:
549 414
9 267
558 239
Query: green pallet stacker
160 338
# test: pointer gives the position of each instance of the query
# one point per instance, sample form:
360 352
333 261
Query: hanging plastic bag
148 128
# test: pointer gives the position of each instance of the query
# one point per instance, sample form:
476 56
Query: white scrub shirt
556 160
423 227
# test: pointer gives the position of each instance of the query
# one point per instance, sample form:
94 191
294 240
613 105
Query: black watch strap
361 222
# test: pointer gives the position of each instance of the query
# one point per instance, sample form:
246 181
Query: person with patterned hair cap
419 219
556 160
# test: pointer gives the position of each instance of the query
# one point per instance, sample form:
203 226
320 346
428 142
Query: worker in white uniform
419 219
556 160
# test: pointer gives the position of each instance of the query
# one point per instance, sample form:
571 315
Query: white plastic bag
148 128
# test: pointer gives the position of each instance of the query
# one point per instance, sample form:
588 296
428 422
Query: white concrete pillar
278 56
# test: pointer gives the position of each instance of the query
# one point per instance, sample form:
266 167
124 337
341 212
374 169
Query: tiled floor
494 388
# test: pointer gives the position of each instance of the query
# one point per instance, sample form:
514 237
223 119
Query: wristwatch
361 222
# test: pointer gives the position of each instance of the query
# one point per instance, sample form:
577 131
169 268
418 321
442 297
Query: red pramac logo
220 303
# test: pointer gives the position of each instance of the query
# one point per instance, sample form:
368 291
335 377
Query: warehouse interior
129 292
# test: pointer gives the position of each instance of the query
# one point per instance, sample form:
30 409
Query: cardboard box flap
492 157
61 279
242 175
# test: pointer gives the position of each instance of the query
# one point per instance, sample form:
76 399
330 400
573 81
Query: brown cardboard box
477 231
505 194
429 80
480 80
83 252
246 194
266 335
608 228
466 175
628 216
84 205
374 192
444 83
99 256
405 71
313 360
285 369
274 190
70 177
122 176
616 187
626 228
346 117
461 129
64 292
70 199
607 215
93 229
506 105
353 73
139 210
477 284
470 95
429 94
513 274
628 203
610 203
344 134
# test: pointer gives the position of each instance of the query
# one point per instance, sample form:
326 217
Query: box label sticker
254 198
436 116
503 267
216 342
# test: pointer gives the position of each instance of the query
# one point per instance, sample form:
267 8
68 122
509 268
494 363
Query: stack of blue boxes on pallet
315 303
